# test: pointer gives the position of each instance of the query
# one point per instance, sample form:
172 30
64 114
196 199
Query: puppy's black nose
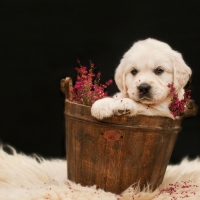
144 88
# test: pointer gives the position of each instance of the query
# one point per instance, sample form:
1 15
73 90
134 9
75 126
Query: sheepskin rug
32 178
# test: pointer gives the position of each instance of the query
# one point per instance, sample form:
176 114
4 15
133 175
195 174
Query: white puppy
143 76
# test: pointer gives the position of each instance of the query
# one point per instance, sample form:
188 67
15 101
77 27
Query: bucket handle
191 110
66 86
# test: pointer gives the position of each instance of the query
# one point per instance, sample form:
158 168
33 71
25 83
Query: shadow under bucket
117 152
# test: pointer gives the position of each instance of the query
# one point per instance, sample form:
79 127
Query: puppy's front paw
125 106
102 108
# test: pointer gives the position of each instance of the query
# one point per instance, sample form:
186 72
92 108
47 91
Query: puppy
142 77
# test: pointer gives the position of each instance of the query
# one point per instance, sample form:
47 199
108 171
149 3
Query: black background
40 41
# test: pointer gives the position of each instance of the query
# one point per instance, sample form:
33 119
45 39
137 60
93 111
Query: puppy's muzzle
144 90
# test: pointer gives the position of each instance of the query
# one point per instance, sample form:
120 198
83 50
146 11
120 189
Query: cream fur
24 178
145 56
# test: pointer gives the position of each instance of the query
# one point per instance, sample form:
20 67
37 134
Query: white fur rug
24 178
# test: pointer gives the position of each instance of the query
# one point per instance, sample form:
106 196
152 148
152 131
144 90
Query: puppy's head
147 68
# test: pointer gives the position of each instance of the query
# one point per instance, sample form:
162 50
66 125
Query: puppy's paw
125 106
102 108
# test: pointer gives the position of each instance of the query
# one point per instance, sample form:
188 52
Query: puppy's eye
134 71
158 71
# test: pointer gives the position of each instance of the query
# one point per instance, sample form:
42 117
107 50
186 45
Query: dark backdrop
40 41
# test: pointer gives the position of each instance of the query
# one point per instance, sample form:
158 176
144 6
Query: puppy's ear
182 72
120 77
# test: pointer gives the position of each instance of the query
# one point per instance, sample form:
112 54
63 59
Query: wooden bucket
117 152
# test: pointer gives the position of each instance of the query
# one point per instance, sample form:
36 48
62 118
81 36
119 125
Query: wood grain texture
117 152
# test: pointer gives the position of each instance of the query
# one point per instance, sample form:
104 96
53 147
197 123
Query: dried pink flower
87 88
177 107
180 190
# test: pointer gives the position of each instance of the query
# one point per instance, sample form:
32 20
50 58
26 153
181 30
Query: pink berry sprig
87 88
178 107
